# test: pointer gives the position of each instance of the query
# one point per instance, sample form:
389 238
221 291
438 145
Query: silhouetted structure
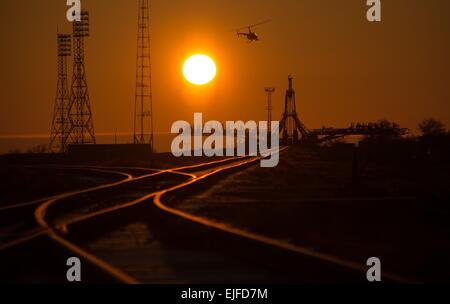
291 128
61 123
82 125
294 131
269 92
370 129
143 120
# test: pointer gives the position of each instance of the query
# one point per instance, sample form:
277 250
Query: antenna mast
143 107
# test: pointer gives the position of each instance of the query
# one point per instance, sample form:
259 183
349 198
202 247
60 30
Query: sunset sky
346 69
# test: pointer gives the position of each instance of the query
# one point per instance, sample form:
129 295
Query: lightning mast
143 112
82 125
61 124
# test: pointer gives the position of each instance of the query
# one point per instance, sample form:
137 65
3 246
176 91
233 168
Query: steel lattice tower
291 128
61 123
143 107
82 125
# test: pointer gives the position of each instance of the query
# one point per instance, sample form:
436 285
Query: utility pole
269 92
143 113
61 124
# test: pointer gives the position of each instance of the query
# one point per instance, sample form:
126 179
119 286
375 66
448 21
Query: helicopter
250 35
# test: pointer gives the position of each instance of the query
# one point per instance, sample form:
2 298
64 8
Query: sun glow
199 69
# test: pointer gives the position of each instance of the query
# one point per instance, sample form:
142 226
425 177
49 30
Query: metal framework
143 106
291 128
61 123
372 129
269 92
80 112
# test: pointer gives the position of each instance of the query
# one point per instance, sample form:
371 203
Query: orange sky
346 69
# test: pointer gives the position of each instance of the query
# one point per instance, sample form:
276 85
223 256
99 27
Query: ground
397 211
394 207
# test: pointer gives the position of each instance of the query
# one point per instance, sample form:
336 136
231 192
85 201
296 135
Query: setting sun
199 69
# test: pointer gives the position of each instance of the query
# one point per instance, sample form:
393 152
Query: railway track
69 220
28 209
55 213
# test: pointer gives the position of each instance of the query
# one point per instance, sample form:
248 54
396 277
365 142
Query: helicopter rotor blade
260 23
255 25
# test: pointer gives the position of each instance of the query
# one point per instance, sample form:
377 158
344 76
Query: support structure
61 123
143 113
291 128
80 113
269 92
